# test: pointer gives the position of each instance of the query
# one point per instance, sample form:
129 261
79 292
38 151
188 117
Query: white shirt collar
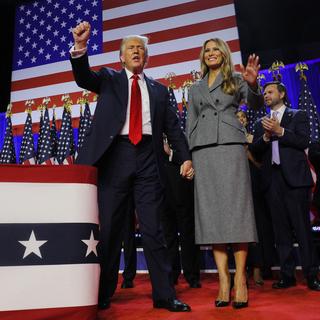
130 74
280 110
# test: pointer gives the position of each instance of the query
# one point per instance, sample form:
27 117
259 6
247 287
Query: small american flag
307 104
53 135
183 115
44 148
7 155
253 116
173 103
27 152
84 124
65 151
40 136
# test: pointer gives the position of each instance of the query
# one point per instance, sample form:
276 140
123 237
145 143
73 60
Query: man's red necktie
135 125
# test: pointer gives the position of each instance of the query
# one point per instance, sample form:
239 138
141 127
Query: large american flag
176 28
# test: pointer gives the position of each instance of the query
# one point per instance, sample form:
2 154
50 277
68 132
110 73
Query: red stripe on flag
154 61
163 13
48 174
70 313
110 4
180 32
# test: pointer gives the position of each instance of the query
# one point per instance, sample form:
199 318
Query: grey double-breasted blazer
212 113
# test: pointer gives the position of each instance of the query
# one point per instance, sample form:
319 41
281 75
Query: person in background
280 140
223 200
314 157
261 255
125 143
178 223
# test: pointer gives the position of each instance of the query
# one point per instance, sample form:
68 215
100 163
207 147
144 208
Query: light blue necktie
275 146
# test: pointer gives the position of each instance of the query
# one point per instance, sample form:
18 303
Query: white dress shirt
146 117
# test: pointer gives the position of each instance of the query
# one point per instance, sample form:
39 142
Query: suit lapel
286 118
121 88
204 90
152 95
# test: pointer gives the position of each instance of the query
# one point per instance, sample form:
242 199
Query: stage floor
265 303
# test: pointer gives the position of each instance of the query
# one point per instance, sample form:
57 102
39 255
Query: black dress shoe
221 303
104 304
313 283
284 283
195 284
173 305
239 305
126 284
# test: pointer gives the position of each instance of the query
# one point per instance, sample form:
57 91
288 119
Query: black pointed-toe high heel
239 305
221 303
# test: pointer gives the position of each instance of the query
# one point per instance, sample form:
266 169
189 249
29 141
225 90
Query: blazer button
217 100
200 103
215 113
111 137
203 116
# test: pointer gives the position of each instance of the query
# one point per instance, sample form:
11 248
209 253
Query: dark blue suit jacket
292 144
111 109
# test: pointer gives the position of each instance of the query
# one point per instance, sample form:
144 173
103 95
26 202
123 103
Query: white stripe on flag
48 286
48 203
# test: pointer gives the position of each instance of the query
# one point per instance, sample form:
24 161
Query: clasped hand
186 170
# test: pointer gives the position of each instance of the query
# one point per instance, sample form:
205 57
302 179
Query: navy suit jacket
294 164
111 109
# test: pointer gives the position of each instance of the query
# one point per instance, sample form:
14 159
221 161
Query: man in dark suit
178 217
280 141
125 143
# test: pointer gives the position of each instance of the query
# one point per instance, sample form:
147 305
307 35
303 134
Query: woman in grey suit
223 200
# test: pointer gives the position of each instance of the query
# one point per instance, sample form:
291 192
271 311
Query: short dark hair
281 88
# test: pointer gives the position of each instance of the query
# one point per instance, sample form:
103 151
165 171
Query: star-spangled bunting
65 150
32 245
44 30
7 154
27 152
307 104
91 244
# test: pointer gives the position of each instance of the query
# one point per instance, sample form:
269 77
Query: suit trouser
178 216
129 245
125 171
261 254
289 209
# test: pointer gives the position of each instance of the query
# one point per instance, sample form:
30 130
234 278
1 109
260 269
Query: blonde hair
229 85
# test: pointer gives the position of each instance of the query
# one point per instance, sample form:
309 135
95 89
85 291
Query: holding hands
250 71
81 34
186 170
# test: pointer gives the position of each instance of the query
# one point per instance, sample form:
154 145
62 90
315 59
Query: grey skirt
223 197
